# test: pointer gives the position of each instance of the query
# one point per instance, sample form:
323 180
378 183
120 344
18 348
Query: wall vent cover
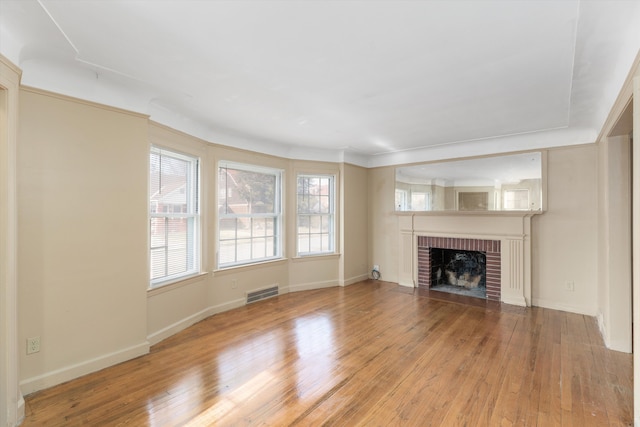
261 294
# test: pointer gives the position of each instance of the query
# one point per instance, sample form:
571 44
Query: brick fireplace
504 237
491 249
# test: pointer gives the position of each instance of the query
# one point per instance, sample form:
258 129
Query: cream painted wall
177 306
383 222
614 240
228 287
604 305
79 160
354 263
173 308
565 237
564 242
83 231
82 236
312 272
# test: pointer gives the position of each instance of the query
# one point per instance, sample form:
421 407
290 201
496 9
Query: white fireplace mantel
512 229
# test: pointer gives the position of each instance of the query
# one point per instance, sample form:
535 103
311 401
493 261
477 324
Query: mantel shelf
522 214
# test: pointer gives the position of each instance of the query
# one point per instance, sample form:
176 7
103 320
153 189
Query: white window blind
174 216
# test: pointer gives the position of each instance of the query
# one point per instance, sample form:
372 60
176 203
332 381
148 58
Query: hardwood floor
371 354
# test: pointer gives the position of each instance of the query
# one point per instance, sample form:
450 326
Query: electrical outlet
570 286
33 345
376 267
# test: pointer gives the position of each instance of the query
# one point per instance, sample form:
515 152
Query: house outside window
315 214
174 216
249 214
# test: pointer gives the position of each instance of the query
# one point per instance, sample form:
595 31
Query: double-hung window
174 216
249 214
316 214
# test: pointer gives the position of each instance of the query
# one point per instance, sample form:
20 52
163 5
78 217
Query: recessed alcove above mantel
510 230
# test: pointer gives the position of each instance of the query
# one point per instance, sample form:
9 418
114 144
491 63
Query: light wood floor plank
371 354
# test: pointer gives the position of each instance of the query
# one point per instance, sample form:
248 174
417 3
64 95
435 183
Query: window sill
316 257
170 286
247 267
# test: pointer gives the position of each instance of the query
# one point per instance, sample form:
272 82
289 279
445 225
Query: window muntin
316 214
174 216
249 213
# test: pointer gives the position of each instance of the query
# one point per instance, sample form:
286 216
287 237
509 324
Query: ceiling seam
573 62
58 27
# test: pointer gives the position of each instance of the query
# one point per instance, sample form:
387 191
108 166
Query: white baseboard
77 370
68 373
313 285
178 326
20 413
602 329
227 306
621 346
624 346
554 305
601 325
352 280
519 301
182 324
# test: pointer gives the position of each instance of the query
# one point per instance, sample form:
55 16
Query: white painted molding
178 326
513 231
12 407
77 370
602 328
230 305
313 285
512 270
620 345
623 346
555 305
353 280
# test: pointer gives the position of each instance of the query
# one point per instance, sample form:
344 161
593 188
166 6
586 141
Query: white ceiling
369 82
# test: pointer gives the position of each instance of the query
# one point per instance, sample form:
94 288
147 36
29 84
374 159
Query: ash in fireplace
465 269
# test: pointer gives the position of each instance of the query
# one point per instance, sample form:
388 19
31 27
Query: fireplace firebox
464 266
458 271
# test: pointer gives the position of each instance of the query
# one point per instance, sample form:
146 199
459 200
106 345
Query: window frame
277 215
193 247
332 235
